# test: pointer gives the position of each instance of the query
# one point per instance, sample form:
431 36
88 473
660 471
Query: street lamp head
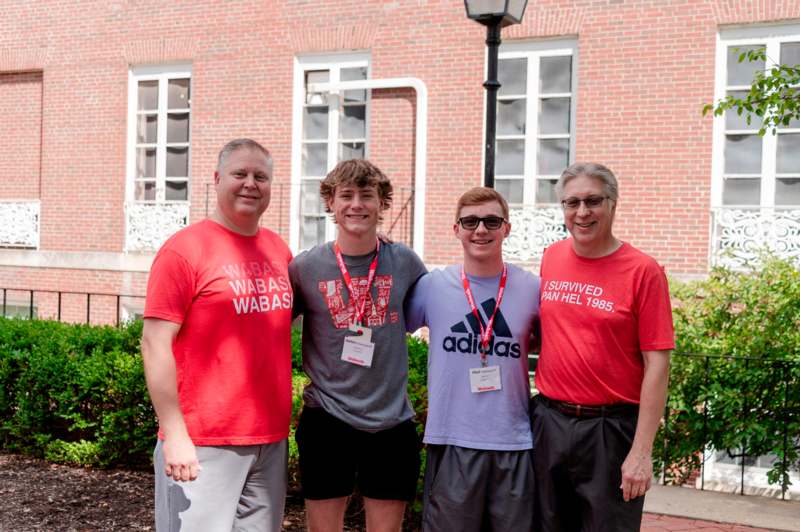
489 12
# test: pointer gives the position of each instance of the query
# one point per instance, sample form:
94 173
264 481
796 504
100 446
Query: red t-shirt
232 296
597 317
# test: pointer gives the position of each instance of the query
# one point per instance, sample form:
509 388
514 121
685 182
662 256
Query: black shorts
335 458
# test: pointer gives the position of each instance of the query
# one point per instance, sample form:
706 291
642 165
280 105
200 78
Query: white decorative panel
19 224
148 225
739 235
532 230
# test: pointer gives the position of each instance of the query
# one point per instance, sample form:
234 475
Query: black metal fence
704 387
62 305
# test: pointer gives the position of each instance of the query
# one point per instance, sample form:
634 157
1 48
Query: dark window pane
177 127
555 74
788 153
510 157
511 117
148 95
178 94
351 150
146 162
546 191
317 76
310 201
554 115
145 190
734 121
790 53
742 73
353 74
741 191
177 162
315 159
510 189
315 123
177 191
553 156
312 231
742 154
787 191
146 129
512 75
353 122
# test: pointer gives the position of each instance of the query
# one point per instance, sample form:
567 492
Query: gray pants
241 488
475 490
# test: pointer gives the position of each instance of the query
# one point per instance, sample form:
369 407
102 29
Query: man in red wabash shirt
604 365
217 357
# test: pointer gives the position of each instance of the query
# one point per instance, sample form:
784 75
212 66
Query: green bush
737 399
74 393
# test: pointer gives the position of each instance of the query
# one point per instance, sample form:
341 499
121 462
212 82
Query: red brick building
112 113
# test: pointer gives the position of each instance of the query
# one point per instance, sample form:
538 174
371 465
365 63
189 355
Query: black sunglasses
491 223
591 202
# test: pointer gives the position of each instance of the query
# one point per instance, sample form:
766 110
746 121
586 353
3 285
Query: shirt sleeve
170 288
416 303
298 302
654 309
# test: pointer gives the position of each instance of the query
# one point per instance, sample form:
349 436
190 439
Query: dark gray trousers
471 490
577 467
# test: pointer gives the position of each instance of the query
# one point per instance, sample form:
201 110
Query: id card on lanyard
358 349
486 378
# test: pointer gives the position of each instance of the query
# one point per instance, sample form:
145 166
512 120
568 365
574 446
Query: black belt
588 411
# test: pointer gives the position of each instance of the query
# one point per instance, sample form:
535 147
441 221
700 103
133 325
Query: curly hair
358 173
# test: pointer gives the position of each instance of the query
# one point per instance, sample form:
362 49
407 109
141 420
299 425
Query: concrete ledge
761 512
76 260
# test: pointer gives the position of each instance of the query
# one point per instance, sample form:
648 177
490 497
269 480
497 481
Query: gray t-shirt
367 398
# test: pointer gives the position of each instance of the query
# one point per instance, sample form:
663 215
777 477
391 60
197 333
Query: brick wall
20 140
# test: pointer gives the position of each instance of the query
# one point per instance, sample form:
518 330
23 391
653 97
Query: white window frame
333 62
533 51
161 73
772 37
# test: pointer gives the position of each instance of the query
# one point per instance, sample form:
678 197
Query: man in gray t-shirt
356 429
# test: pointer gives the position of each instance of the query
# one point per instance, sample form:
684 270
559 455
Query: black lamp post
495 15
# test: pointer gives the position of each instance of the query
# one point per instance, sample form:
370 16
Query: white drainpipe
420 164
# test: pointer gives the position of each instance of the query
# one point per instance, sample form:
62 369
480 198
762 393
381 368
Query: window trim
540 48
303 63
146 73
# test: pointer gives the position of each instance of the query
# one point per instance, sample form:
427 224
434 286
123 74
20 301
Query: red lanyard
486 332
373 267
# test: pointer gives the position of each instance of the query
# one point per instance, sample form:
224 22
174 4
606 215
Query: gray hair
593 170
239 144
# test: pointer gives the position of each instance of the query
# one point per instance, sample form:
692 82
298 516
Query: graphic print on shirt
258 286
576 293
375 309
468 344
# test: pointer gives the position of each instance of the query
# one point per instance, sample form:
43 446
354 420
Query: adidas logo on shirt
468 344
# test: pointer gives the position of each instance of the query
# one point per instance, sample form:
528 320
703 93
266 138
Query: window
332 128
535 119
159 114
754 171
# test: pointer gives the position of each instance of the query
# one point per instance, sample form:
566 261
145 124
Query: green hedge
745 398
76 393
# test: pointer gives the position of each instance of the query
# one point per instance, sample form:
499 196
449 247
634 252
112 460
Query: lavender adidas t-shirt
496 420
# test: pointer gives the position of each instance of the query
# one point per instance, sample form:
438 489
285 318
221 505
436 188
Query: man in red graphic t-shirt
217 358
603 369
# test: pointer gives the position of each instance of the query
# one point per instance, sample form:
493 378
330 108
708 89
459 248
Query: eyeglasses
491 223
591 202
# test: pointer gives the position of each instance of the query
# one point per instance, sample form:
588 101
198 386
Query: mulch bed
36 495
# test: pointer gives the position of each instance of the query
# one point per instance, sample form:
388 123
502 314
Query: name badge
358 352
362 334
484 379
